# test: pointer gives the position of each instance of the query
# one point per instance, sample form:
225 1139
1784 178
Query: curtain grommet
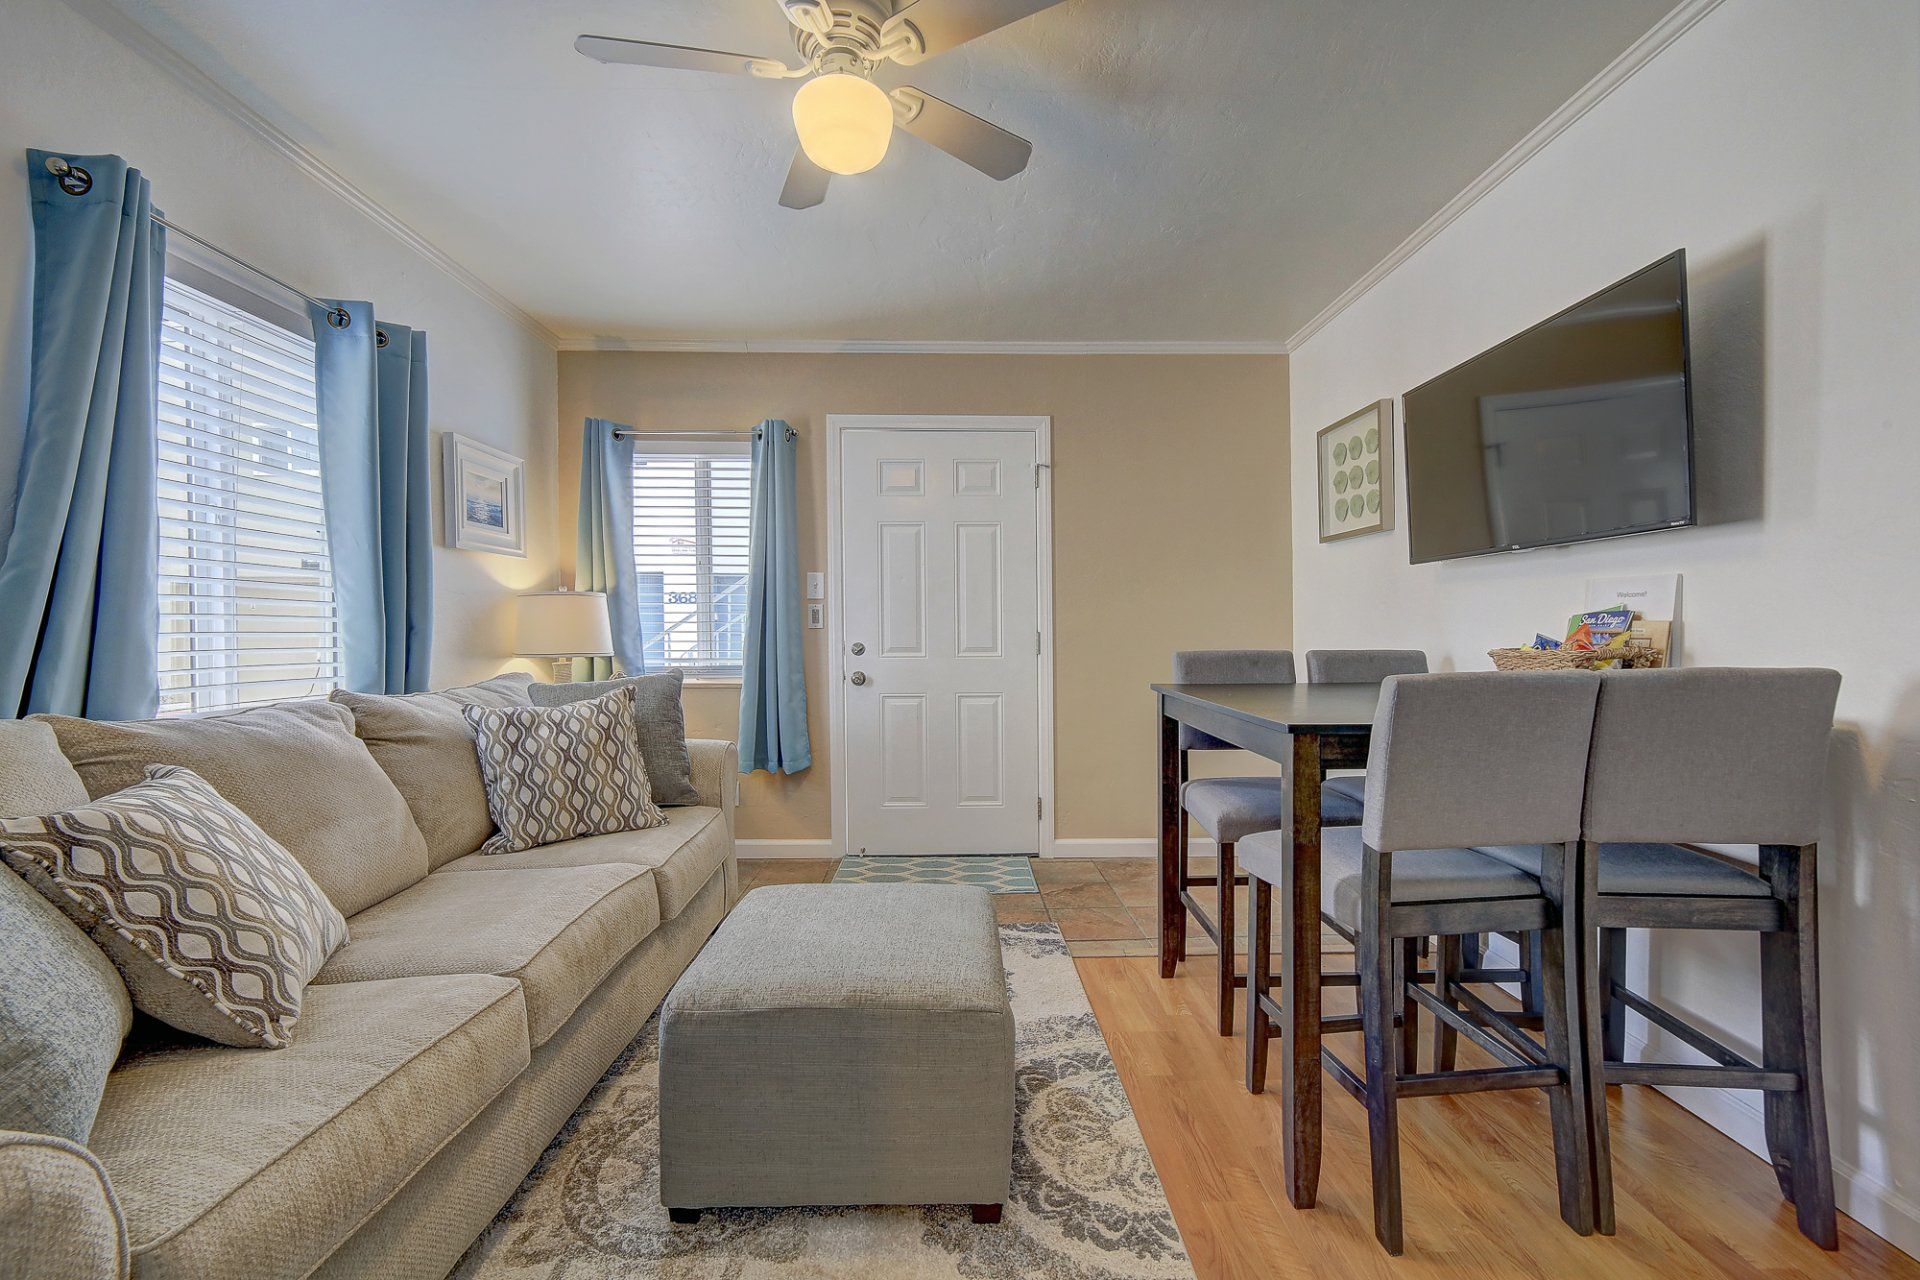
380 338
72 178
339 318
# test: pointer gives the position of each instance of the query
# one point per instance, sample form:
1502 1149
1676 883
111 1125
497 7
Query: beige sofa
438 1053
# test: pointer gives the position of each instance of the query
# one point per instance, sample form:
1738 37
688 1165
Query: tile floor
1104 906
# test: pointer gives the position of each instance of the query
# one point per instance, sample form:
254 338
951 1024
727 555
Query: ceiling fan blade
963 135
936 26
645 53
806 183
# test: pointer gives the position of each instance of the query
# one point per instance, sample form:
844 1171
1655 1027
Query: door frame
1042 430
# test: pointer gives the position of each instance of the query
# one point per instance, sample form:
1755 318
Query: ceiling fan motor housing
853 41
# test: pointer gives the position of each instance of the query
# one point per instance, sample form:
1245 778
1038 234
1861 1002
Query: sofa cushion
658 719
232 1162
553 773
558 931
425 744
293 767
215 928
34 777
683 852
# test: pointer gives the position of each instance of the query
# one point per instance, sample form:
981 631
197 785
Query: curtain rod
76 181
626 434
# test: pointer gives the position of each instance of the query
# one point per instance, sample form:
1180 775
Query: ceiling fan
845 120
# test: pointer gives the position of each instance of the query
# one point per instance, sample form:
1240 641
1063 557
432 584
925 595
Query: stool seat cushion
1652 870
1343 800
1230 809
1419 875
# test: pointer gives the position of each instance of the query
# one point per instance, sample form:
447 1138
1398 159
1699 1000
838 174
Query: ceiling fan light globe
844 122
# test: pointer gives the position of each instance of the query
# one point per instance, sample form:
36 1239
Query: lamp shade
563 624
844 122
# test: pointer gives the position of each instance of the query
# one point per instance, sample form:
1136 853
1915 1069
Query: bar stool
1727 756
1226 808
1457 760
1342 799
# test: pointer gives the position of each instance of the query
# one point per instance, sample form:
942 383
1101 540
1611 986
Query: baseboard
1135 847
785 849
1880 1208
1123 847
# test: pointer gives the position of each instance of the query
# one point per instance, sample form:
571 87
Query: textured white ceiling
1203 170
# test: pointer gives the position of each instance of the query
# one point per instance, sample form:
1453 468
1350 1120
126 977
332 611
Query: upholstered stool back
1363 666
1478 758
1227 666
1723 755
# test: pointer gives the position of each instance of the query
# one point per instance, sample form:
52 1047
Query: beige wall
1170 527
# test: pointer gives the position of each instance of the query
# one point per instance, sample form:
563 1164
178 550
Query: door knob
858 648
858 677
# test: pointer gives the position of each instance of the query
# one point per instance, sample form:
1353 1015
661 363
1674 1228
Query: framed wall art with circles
1355 458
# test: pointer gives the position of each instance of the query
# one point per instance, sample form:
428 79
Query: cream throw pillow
213 925
554 773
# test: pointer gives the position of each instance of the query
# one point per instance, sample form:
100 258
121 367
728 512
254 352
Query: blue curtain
773 686
78 588
603 559
371 384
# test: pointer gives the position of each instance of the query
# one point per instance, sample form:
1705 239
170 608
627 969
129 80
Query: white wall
67 84
1779 143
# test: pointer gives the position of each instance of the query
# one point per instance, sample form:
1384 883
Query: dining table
1308 729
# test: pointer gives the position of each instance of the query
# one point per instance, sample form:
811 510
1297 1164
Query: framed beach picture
485 497
1355 458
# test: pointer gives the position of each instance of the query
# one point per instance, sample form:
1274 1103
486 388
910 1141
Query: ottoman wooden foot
986 1214
683 1217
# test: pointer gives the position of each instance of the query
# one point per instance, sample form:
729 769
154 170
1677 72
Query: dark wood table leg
1300 985
1173 916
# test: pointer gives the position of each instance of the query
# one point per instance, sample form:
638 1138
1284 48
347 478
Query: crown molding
1677 23
129 32
878 346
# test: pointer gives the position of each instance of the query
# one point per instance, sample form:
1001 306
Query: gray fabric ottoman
840 1044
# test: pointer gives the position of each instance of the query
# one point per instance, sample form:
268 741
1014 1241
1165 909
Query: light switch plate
816 616
816 586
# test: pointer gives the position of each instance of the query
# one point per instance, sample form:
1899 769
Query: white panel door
939 636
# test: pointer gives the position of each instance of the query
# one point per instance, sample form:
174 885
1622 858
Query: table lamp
563 625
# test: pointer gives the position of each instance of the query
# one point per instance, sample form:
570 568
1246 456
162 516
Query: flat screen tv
1579 428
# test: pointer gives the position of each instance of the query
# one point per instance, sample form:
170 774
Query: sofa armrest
59 1212
716 774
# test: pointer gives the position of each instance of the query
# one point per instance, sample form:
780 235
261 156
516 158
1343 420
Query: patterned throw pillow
553 773
212 923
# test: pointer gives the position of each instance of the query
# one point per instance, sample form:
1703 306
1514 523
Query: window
246 583
690 525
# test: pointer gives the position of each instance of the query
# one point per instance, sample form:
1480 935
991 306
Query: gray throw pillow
212 923
425 744
63 1015
557 773
657 718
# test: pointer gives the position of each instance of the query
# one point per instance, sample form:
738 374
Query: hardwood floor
1478 1171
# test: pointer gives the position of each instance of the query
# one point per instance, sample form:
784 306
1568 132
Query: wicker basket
1640 657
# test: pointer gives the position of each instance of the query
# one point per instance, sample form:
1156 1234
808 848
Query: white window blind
690 526
246 583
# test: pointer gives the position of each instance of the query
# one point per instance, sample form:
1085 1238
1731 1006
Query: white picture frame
485 497
1354 460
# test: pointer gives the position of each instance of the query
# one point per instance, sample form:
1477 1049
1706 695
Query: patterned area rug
996 873
1086 1205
